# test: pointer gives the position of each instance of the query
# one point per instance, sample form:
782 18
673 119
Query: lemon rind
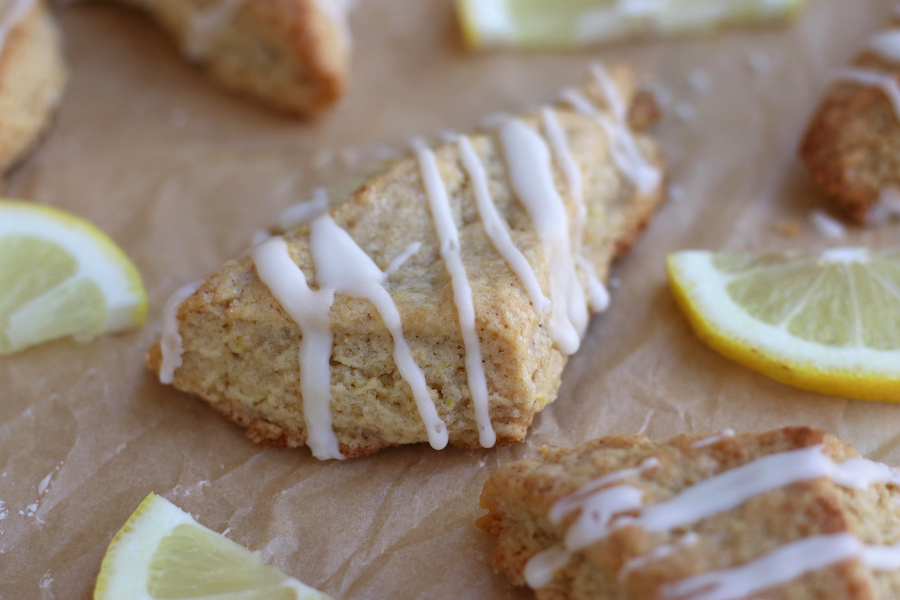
860 373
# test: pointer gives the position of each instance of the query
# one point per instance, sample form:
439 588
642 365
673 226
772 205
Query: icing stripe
304 212
775 568
341 266
658 553
576 501
597 292
496 228
311 310
170 342
531 176
622 144
726 433
462 290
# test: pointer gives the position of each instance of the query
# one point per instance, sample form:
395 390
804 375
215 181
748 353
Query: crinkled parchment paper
181 174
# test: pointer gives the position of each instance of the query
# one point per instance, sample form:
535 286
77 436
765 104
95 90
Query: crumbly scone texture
291 54
241 348
33 76
519 496
852 143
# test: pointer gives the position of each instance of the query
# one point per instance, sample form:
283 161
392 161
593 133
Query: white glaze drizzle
304 212
576 500
719 493
777 567
622 143
170 341
203 26
610 92
597 292
531 176
496 229
448 235
884 82
782 565
311 310
539 573
881 558
341 267
639 562
886 44
726 433
12 17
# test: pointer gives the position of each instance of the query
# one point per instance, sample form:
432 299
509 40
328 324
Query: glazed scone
792 513
32 75
852 143
236 346
290 54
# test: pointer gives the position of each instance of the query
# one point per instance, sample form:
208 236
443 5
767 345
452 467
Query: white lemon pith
827 322
60 276
162 553
573 23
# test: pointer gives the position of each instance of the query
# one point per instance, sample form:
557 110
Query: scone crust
33 76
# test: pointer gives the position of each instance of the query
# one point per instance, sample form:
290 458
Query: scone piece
852 143
790 513
32 76
240 347
290 54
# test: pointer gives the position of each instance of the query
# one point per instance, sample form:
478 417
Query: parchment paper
181 174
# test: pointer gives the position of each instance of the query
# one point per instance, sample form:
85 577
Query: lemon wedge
162 553
572 23
59 277
827 322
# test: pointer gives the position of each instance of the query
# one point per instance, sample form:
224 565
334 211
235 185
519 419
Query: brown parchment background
180 174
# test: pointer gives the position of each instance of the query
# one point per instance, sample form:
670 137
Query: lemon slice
574 23
162 553
827 322
60 276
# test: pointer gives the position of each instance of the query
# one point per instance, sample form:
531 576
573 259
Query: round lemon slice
573 23
61 277
827 322
162 553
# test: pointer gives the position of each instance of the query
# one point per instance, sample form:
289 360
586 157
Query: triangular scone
32 75
240 347
291 54
791 513
852 143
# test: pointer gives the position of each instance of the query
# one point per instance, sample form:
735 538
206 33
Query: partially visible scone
787 514
240 346
291 54
852 143
32 76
